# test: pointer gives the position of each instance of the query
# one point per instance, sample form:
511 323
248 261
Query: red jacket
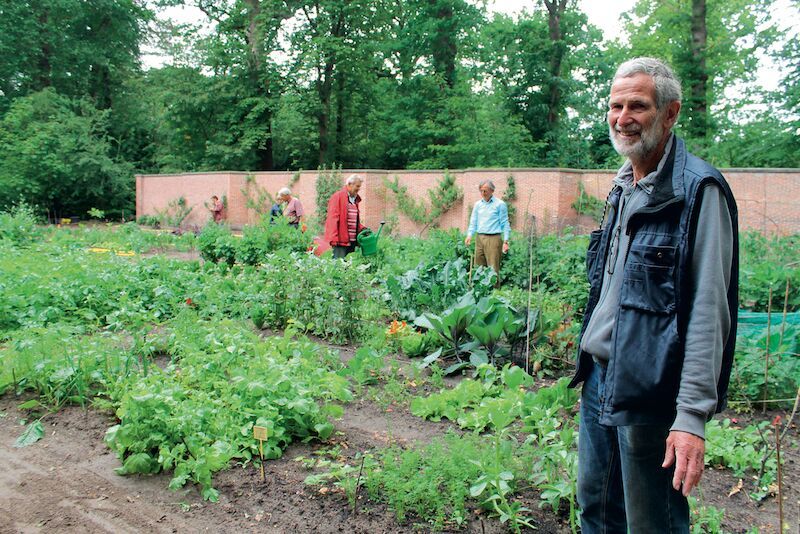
336 223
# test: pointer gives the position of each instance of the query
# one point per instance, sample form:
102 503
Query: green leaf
430 358
478 488
324 430
140 462
29 405
33 433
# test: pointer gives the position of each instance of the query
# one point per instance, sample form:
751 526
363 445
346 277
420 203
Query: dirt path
66 481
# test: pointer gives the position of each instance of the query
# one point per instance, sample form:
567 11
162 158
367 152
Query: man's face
486 192
353 188
635 125
285 198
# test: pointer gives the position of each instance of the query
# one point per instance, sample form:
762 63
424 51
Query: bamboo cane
766 358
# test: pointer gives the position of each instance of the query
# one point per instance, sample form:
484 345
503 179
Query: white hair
488 183
354 178
285 191
668 87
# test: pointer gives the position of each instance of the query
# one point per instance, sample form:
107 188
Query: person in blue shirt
489 221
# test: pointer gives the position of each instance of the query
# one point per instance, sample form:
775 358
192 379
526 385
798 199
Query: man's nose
624 117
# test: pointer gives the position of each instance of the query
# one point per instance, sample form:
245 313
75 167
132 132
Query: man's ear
671 115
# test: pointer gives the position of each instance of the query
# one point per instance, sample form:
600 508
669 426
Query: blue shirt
489 218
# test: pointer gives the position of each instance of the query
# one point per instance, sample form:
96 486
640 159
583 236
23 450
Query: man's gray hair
285 191
487 182
668 86
354 178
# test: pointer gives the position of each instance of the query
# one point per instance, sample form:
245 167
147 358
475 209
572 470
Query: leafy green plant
259 241
328 182
217 244
196 418
18 225
441 198
705 518
433 287
768 262
743 450
96 213
586 204
451 327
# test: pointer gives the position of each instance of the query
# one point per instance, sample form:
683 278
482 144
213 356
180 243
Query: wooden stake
532 233
472 259
358 485
260 433
766 358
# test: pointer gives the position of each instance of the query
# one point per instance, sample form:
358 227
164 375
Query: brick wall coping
755 170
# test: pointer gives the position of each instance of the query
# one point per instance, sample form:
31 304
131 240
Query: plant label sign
260 433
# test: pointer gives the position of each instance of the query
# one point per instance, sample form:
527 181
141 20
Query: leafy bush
328 182
18 225
559 267
216 243
55 153
783 378
260 240
768 262
435 286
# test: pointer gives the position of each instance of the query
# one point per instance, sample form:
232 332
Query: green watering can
368 241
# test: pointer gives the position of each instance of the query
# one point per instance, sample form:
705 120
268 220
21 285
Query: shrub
18 225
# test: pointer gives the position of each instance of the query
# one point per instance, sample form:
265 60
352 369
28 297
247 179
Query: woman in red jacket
344 218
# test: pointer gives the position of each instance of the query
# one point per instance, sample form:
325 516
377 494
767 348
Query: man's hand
468 240
687 452
505 247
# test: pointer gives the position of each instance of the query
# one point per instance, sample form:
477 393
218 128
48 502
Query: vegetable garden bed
160 361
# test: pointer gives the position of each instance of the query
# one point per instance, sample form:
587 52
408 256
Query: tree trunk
444 44
323 117
555 9
43 76
259 81
340 98
698 123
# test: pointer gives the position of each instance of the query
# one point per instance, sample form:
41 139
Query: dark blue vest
644 370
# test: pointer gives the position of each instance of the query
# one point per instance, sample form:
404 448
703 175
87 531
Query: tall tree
698 104
717 60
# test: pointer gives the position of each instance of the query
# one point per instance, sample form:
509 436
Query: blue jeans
621 484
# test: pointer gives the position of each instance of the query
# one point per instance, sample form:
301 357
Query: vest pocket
649 280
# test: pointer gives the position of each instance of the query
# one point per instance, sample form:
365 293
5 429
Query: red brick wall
768 199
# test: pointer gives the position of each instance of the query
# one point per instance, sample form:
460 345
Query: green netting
751 323
752 330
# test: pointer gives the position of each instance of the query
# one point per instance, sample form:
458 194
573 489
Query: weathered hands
687 452
505 247
467 241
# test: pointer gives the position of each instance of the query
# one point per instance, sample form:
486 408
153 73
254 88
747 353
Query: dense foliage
263 85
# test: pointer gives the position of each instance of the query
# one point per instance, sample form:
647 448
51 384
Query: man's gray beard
647 143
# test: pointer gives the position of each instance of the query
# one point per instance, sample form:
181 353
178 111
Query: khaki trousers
488 251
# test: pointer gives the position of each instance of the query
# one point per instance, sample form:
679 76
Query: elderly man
343 222
489 220
657 341
293 209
